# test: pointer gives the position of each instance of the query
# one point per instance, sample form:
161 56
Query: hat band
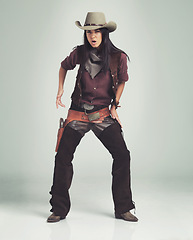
92 24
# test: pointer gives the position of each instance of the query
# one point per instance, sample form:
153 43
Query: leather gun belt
94 117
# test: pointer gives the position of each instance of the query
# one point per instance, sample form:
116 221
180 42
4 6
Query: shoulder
116 54
79 48
123 58
119 57
79 51
123 66
115 58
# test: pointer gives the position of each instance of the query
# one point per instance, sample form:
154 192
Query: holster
60 132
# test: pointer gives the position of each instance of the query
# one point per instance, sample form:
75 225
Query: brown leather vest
113 67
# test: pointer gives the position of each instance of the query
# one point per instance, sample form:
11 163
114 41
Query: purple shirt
96 91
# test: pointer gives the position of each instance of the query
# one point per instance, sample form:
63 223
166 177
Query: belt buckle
93 116
86 106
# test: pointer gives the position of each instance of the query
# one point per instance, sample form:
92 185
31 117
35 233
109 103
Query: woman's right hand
58 98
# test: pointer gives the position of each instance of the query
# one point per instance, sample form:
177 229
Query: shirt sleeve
123 69
69 63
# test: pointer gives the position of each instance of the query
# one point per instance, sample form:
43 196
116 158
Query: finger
118 120
61 104
113 116
56 103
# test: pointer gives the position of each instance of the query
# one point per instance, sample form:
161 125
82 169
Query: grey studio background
156 113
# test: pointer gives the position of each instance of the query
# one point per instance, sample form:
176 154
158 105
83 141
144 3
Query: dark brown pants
112 139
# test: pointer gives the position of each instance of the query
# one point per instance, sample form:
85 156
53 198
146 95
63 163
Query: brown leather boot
127 217
54 218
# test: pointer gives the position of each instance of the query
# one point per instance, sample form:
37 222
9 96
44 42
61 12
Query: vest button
94 88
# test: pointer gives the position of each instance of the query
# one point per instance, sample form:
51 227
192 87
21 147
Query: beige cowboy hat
96 20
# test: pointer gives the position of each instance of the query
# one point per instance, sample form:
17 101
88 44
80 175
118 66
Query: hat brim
111 26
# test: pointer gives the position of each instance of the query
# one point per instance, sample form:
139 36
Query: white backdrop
156 105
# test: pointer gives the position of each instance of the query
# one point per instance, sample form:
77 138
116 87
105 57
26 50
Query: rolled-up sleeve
123 69
70 61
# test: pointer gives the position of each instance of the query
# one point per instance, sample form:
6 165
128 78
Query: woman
99 84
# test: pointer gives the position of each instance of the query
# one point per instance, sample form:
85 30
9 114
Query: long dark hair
106 48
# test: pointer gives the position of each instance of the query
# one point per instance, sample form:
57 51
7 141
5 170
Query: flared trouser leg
63 172
113 140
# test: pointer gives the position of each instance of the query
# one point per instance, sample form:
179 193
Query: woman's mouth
94 43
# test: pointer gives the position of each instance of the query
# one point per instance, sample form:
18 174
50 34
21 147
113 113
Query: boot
127 217
54 218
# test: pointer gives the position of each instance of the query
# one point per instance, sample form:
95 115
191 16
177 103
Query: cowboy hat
96 20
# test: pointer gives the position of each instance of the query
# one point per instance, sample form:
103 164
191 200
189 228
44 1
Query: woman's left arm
118 96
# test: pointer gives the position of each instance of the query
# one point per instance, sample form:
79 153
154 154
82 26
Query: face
94 37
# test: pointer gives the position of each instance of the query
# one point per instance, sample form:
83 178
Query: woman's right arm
62 76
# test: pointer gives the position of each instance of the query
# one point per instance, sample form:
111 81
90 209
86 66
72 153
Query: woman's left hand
114 114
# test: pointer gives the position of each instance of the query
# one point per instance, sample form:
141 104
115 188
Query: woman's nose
93 35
